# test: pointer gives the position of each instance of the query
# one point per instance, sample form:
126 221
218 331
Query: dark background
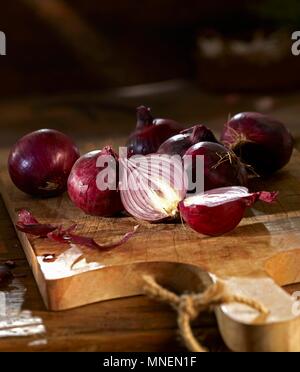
59 46
82 66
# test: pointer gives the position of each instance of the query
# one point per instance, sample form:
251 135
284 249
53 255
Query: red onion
151 194
222 167
150 133
83 187
219 211
180 143
39 163
152 186
260 141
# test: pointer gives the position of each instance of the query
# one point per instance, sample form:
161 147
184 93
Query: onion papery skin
224 217
152 203
260 141
150 133
83 189
39 163
180 143
222 168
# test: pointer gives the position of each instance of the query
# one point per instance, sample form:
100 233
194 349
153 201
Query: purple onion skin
83 190
179 144
39 163
217 172
150 133
260 141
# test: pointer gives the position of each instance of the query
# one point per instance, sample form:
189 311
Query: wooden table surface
132 324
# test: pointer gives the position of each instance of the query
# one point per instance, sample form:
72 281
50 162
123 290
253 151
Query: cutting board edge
28 250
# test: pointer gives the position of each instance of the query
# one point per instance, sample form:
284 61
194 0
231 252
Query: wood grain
134 324
177 256
255 244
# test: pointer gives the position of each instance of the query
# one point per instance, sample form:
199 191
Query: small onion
150 133
180 143
39 164
260 141
219 211
84 190
222 167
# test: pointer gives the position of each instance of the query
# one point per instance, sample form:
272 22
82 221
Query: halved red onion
219 211
152 186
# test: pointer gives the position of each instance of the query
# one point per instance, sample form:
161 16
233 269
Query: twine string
189 306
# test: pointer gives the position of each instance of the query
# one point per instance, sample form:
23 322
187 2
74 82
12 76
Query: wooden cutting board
261 255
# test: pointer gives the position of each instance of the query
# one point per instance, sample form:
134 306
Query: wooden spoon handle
244 329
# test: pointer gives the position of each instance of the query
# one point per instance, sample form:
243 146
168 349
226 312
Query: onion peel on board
28 224
67 237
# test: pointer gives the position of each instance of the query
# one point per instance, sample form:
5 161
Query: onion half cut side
152 186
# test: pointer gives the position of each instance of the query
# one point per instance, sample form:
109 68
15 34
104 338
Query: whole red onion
219 211
180 143
222 167
260 141
150 133
39 163
83 187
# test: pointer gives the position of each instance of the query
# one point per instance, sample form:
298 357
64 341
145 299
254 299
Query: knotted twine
189 306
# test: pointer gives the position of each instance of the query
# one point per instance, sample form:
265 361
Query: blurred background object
261 62
56 46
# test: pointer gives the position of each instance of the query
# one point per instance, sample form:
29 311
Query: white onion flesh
213 198
152 194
